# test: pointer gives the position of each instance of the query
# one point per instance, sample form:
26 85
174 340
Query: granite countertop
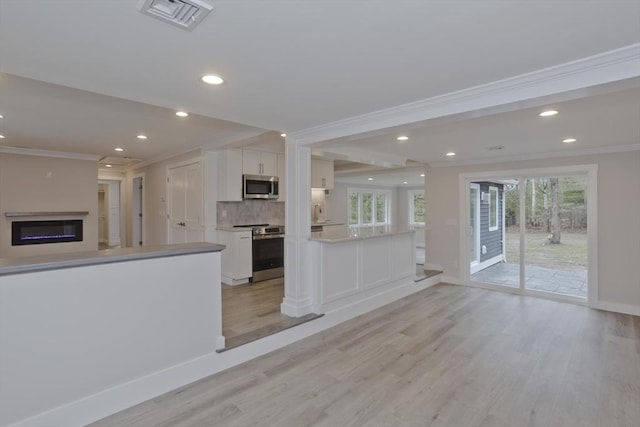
232 228
242 228
327 222
31 264
357 233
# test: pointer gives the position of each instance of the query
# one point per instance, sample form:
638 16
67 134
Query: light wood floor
447 356
252 311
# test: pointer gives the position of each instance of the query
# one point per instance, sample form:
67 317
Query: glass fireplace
37 232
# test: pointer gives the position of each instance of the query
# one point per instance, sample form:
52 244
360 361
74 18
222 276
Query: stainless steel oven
268 253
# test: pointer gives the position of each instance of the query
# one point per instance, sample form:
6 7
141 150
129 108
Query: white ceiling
293 65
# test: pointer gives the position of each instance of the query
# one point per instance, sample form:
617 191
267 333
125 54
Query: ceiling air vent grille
182 13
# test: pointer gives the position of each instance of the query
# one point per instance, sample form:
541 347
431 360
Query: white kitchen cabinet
230 175
282 184
322 174
259 163
237 258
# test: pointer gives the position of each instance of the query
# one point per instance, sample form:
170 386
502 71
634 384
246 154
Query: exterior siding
492 240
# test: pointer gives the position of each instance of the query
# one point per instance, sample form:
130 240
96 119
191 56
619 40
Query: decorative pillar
298 299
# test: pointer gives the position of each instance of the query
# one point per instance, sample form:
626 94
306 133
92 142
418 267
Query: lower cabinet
237 265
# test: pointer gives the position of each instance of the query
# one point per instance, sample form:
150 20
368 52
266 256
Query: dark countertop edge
38 263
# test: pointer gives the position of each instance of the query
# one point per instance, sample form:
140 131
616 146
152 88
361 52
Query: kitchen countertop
31 264
247 228
357 233
327 223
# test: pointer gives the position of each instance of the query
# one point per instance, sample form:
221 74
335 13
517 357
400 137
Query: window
493 208
368 207
416 207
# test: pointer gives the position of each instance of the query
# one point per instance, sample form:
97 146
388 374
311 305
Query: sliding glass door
529 233
556 235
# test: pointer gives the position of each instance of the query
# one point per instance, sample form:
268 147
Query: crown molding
47 153
162 158
607 67
539 156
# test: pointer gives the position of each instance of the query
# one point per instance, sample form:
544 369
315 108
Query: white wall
618 219
68 334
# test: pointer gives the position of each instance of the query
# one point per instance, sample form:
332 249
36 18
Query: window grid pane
418 208
367 208
353 209
381 208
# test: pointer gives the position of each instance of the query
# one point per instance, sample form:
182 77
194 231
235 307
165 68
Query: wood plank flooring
252 311
447 356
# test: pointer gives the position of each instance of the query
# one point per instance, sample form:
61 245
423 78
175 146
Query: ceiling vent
182 13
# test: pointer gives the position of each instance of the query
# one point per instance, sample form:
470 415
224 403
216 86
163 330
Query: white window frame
492 200
412 194
375 192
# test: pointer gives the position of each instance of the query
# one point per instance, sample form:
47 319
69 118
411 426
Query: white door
137 212
185 204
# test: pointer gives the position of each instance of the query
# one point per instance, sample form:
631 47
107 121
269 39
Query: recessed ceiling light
212 79
182 113
107 166
1 116
284 135
548 113
451 153
404 182
1 136
422 175
569 140
369 179
402 138
119 149
142 136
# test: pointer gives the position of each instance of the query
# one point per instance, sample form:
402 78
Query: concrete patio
566 282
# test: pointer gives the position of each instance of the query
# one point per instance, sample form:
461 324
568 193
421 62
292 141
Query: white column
298 299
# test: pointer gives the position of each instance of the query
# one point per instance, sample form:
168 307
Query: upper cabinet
259 163
232 163
230 175
322 174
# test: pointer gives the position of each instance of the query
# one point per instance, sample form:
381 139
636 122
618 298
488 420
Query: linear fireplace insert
53 231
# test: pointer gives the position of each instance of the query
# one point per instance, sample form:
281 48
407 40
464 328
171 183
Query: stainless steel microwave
259 187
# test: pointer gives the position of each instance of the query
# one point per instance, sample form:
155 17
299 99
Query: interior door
185 204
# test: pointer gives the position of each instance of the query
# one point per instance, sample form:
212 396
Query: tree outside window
368 207
416 207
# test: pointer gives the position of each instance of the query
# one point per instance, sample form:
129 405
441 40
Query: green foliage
572 203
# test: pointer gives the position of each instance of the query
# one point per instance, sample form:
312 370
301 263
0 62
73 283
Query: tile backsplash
250 212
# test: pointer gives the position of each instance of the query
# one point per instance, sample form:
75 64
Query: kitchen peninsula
358 263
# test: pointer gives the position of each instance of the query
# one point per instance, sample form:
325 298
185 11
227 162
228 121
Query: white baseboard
233 282
616 307
451 279
97 406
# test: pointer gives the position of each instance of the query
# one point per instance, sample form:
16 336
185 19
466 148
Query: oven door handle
268 236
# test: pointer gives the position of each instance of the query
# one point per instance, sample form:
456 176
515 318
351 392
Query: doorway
185 203
109 214
532 232
137 211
